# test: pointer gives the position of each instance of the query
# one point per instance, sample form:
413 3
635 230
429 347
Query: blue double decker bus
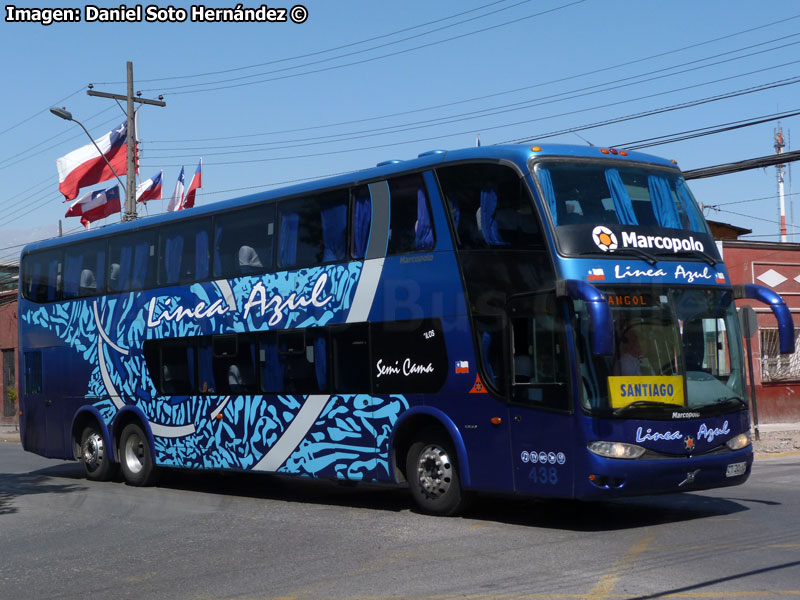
553 321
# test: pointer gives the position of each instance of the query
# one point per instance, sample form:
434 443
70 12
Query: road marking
608 582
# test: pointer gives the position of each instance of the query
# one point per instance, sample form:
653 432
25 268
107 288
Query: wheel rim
434 471
133 453
93 451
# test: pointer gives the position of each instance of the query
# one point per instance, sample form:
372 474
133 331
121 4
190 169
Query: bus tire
135 457
94 456
432 474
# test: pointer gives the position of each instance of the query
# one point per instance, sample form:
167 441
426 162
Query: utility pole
130 212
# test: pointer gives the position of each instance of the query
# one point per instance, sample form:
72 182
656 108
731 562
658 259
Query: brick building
8 352
776 266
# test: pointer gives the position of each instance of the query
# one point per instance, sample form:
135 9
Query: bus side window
294 362
313 230
133 261
234 364
172 365
350 358
489 331
243 242
489 206
540 361
411 224
361 220
84 269
183 249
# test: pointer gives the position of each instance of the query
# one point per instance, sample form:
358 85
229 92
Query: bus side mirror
779 309
602 334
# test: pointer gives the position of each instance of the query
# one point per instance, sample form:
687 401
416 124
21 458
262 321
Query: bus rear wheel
135 457
432 475
94 455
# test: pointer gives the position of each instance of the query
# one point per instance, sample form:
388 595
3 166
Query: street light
63 113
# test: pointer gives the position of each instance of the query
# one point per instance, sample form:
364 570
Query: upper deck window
411 225
583 193
490 207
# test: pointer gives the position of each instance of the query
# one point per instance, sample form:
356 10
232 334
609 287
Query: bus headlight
615 449
738 442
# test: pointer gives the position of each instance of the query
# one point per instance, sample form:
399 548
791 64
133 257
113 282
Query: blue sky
363 81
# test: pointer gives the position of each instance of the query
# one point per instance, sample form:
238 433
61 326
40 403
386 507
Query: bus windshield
675 349
600 193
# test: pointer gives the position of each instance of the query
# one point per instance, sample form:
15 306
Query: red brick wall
775 266
8 341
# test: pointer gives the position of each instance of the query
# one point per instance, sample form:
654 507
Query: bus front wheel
135 457
432 475
94 455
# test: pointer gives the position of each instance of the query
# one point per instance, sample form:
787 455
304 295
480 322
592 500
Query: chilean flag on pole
196 183
96 205
177 196
150 189
84 166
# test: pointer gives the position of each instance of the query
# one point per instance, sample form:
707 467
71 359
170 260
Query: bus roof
518 154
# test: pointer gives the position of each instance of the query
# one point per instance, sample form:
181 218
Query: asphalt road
213 536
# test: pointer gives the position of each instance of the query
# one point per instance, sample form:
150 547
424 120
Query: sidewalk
8 433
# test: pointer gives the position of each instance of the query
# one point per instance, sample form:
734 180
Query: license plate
736 469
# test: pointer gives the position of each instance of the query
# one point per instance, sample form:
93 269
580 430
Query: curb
760 455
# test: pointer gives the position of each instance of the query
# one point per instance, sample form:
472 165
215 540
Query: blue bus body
421 307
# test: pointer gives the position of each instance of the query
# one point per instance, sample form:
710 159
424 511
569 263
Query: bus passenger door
542 424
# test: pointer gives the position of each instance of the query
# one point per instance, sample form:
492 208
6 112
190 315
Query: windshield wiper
730 400
646 256
719 402
705 255
644 404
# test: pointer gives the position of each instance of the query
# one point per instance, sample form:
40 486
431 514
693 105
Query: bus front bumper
606 478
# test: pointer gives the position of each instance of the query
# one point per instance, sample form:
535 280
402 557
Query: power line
703 131
674 107
484 97
716 206
742 165
317 53
736 93
350 64
491 111
38 112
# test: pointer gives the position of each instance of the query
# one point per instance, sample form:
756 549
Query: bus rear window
41 276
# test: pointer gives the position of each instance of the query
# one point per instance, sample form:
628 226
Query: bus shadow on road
619 514
15 485
304 490
625 513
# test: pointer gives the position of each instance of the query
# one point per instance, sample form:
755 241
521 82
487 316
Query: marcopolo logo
605 239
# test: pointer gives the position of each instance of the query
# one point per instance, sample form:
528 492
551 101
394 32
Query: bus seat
88 282
113 277
238 381
488 217
523 369
249 262
174 377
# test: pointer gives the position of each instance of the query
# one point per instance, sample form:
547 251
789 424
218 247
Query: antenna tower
780 144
